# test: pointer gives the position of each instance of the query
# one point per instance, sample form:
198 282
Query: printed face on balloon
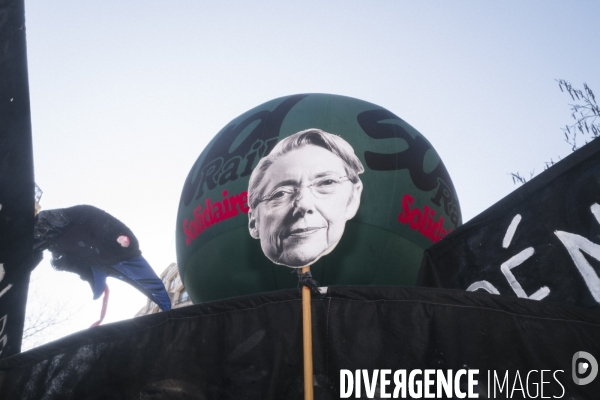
301 196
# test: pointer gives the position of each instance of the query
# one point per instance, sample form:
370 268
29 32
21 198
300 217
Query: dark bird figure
93 244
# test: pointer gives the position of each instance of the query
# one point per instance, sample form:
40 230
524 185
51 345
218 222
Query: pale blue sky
126 94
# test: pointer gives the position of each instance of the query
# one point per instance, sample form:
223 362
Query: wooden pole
307 340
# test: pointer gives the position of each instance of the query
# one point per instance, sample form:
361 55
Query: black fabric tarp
16 177
251 347
542 240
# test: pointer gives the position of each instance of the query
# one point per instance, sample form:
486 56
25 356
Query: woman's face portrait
306 199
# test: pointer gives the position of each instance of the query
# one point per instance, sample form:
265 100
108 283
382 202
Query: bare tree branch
43 316
586 114
586 127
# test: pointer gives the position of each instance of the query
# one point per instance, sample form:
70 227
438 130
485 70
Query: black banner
16 177
251 348
540 242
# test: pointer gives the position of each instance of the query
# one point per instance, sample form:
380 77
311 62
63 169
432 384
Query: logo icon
583 364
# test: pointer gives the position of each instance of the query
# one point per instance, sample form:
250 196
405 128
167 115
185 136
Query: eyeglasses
321 187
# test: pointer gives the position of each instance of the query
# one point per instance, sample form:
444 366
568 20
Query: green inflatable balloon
408 201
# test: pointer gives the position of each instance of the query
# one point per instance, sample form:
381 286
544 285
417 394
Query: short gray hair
317 137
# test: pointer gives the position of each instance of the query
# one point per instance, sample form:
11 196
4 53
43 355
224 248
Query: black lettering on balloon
251 156
229 170
209 172
444 193
257 153
269 144
261 139
376 124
